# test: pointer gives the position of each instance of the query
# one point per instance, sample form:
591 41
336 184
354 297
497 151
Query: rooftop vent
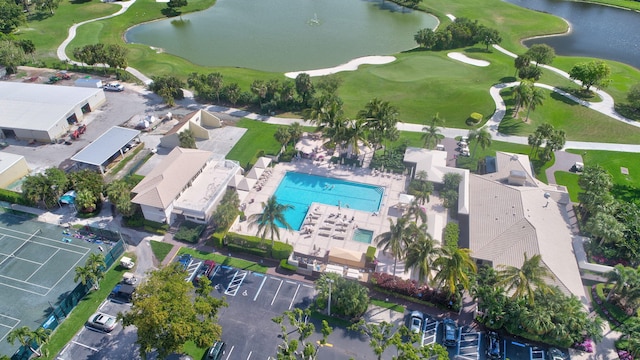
517 177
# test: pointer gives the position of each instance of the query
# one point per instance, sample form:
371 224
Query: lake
285 35
596 31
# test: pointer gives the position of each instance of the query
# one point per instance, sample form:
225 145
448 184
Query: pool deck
327 226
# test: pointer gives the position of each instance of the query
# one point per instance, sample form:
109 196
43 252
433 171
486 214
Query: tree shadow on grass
508 79
39 15
628 111
562 98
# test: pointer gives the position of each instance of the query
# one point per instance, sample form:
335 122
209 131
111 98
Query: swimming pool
300 190
363 236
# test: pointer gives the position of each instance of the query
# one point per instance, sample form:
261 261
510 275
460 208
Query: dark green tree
168 87
119 193
542 54
11 16
592 73
304 88
48 5
11 55
227 210
167 315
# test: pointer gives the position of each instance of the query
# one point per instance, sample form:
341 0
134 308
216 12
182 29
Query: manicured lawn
87 306
258 138
388 305
160 249
225 260
612 161
197 353
419 83
570 180
579 122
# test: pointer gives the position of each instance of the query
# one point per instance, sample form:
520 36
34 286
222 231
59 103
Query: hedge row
286 266
371 253
13 197
255 245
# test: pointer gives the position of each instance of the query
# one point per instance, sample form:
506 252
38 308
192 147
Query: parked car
185 260
103 322
450 332
216 351
415 321
493 346
556 354
122 293
114 86
205 270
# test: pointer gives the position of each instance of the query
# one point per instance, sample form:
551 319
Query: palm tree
454 266
482 137
395 240
536 97
325 111
356 134
524 280
415 212
267 221
215 81
432 132
295 132
85 274
522 93
96 263
381 118
187 139
282 136
420 256
27 337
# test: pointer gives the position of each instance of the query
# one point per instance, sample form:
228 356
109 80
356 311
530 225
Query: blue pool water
363 236
300 190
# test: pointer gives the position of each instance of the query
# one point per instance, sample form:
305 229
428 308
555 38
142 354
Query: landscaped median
225 260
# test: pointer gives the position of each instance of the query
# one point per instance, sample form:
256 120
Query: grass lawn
388 305
419 83
87 306
570 180
225 260
190 348
258 138
160 249
579 122
612 161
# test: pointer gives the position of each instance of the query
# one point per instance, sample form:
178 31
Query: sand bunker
467 60
350 66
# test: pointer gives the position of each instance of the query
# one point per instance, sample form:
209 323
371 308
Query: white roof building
187 183
44 112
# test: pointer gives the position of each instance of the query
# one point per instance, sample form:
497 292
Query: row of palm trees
92 271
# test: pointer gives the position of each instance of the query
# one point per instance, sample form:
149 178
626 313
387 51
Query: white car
416 321
114 87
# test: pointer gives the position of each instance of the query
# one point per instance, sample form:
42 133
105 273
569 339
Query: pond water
285 35
596 31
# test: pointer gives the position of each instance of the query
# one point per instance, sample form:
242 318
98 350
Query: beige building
186 185
43 112
197 121
512 213
12 168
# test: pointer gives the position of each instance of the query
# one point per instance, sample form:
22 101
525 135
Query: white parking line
294 297
230 351
291 282
85 346
308 286
250 352
277 291
260 288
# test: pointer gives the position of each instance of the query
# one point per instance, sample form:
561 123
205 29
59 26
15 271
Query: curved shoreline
568 32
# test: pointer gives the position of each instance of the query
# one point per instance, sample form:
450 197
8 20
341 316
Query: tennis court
37 267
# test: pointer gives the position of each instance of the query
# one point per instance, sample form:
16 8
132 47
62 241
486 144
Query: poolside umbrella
262 162
246 184
255 173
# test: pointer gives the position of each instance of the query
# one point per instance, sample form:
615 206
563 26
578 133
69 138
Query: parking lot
254 299
98 345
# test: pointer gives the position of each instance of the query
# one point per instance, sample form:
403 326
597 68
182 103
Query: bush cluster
474 119
412 290
286 266
256 246
13 197
371 253
189 232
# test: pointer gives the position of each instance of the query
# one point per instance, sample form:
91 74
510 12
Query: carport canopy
104 147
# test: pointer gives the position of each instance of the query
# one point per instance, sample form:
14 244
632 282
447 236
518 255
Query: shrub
13 197
475 118
189 232
286 266
410 289
371 253
255 245
451 234
217 238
